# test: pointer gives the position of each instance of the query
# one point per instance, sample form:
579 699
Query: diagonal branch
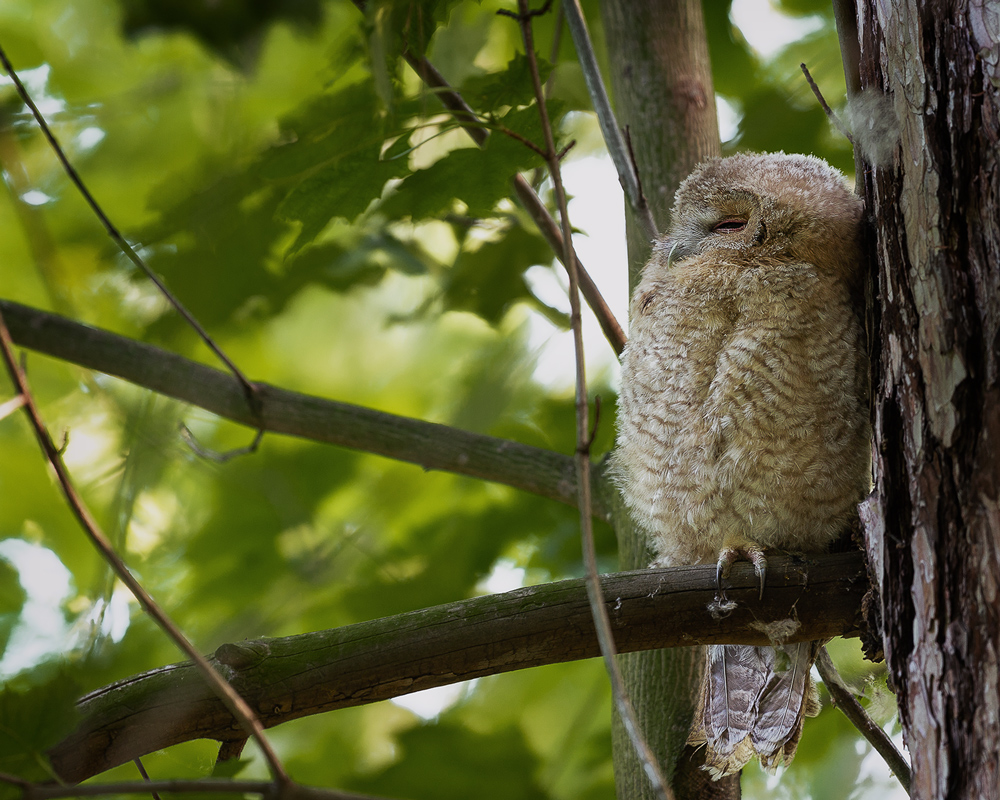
248 723
844 699
432 446
619 151
547 226
297 676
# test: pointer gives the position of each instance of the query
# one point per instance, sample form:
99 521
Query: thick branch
430 445
203 787
284 679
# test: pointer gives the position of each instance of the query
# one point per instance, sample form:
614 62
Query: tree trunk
662 85
933 524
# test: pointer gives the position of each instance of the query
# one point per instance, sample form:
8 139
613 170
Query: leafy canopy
339 234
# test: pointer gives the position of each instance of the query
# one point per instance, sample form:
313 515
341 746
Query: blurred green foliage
307 199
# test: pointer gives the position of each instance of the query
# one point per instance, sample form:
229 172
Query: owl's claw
747 552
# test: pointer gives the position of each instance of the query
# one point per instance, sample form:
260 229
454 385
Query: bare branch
844 699
145 777
432 446
297 676
232 700
619 151
834 119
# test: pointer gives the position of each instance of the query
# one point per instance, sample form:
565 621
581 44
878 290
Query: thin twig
248 388
548 227
517 137
526 13
236 704
599 611
228 455
834 119
628 173
538 174
145 777
635 164
844 699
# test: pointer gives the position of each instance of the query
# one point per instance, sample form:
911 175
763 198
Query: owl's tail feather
753 703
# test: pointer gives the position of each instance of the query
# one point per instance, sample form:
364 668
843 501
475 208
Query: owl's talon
760 567
747 552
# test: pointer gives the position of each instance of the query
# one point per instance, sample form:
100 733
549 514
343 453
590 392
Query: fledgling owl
742 419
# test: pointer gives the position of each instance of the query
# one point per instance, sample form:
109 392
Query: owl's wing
788 696
753 703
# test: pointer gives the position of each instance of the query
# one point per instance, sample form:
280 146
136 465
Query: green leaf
489 279
233 30
342 188
324 129
333 166
355 261
480 178
223 236
37 709
735 67
448 762
771 122
511 87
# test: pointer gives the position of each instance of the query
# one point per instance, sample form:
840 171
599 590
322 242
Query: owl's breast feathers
740 409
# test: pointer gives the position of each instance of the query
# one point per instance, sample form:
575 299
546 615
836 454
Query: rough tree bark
933 524
662 85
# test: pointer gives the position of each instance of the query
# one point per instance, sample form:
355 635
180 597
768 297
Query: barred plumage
742 414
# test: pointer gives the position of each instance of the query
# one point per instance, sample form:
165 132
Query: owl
743 421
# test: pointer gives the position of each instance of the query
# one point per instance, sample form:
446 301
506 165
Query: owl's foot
745 551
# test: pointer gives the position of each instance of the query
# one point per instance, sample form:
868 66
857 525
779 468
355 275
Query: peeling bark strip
936 211
297 676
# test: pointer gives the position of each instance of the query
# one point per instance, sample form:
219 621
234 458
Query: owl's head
754 207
